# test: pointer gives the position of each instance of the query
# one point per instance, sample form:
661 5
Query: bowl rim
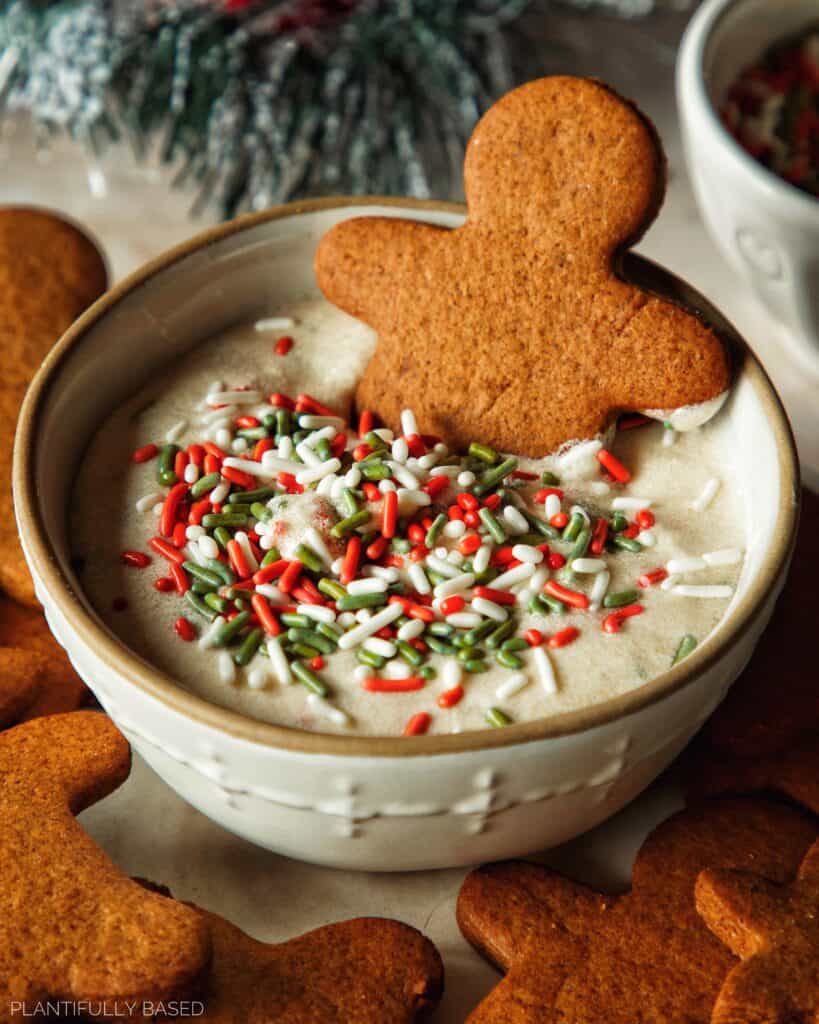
121 661
691 88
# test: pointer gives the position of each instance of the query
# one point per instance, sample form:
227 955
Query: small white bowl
359 802
766 228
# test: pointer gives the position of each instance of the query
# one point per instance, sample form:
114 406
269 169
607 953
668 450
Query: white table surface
145 827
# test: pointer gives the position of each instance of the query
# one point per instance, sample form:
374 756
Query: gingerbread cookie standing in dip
463 566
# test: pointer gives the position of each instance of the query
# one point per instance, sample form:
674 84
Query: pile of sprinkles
289 535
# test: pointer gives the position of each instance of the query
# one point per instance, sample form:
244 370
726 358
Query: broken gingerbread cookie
516 328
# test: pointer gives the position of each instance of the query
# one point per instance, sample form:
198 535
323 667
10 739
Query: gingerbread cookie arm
19 684
738 907
360 262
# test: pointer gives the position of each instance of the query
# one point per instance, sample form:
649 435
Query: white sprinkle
207 637
463 581
285 447
243 541
573 458
147 501
214 387
315 540
466 478
411 629
385 486
539 577
234 397
157 509
426 462
403 475
513 576
669 437
551 506
455 557
408 423
218 417
515 520
274 323
725 556
624 504
669 582
440 552
191 474
337 566
352 477
527 553
366 586
345 619
239 445
360 633
327 710
464 620
396 669
491 610
330 486
363 615
326 426
309 476
308 456
316 612
220 492
267 541
511 686
208 547
175 432
223 437
193 553
383 648
227 670
408 500
386 573
599 487
257 677
709 492
362 672
194 532
480 562
438 564
545 671
599 588
450 471
688 590
385 434
451 674
647 538
441 449
273 594
454 529
418 578
400 450
681 565
588 565
278 660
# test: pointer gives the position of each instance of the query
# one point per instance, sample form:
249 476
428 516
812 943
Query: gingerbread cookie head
72 926
573 955
774 929
515 328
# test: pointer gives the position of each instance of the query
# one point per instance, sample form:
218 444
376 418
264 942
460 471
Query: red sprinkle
136 559
613 622
169 509
270 572
631 531
371 491
521 474
198 510
211 464
416 445
472 519
180 578
144 454
449 698
361 451
556 560
378 684
418 724
247 422
412 608
238 562
179 463
184 630
394 561
533 637
236 476
454 512
650 579
452 605
214 450
544 492
306 403
492 501
288 578
267 444
436 485
559 520
632 420
564 637
613 466
419 552
281 401
570 597
469 544
162 547
366 422
196 453
179 537
599 535
645 518
389 514
498 596
317 663
283 345
349 567
467 501
289 482
164 584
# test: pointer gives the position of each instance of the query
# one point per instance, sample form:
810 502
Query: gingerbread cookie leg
20 684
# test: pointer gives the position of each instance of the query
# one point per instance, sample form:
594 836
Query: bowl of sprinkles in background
358 647
747 84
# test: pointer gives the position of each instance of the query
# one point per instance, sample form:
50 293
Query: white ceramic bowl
767 228
379 804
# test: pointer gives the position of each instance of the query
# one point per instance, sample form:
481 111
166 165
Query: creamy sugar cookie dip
233 527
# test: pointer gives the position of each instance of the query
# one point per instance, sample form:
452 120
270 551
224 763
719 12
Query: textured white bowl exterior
315 801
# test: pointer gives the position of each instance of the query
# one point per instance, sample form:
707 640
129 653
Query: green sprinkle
369 658
229 630
484 453
198 587
620 599
581 545
438 523
260 511
199 605
345 526
234 593
239 509
475 666
295 619
508 659
307 677
374 470
548 478
618 522
440 647
400 545
284 423
260 494
300 435
684 648
500 633
627 543
252 433
440 629
164 467
541 526
199 572
536 606
330 631
493 477
302 650
323 449
297 635
307 556
250 645
435 577
375 440
352 602
427 672
217 603
271 557
552 603
477 633
213 519
222 537
574 526
331 588
205 484
516 643
496 531
489 574
469 654
222 570
497 718
269 422
349 501
409 654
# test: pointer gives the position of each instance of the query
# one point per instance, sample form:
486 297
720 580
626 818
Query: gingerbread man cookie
72 926
774 929
515 329
49 273
575 956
